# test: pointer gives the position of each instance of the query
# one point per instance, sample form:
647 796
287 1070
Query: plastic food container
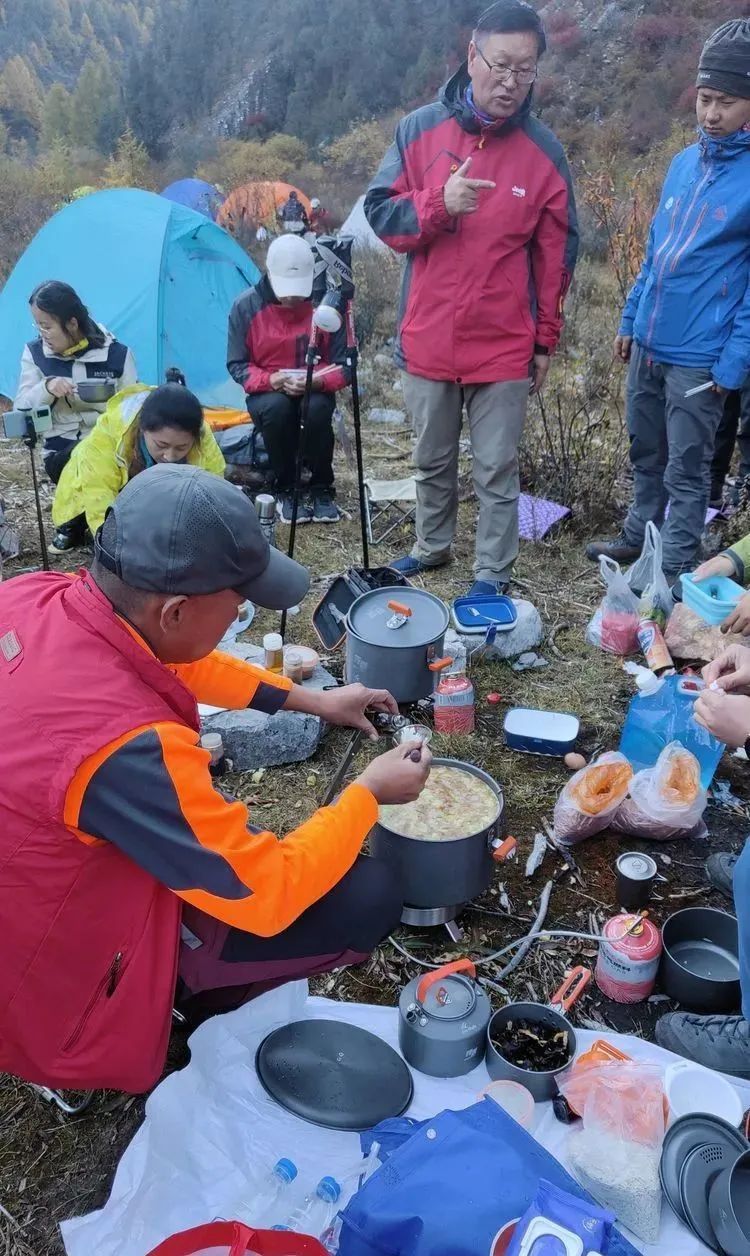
540 732
477 614
713 598
692 1088
514 1099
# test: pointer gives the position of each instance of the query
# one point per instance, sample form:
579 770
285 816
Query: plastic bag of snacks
591 797
664 801
614 627
646 578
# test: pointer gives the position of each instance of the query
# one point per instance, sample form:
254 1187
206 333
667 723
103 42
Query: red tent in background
256 204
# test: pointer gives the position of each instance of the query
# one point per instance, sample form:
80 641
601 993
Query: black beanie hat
725 60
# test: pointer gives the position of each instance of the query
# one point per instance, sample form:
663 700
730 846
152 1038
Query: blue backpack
449 1186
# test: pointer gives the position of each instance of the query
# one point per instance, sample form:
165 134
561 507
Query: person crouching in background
139 428
269 332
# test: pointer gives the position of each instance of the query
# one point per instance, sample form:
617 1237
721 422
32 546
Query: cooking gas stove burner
428 917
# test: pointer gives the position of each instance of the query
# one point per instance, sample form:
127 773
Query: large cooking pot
700 965
447 872
394 641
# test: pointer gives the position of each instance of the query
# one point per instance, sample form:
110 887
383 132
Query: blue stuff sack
448 1186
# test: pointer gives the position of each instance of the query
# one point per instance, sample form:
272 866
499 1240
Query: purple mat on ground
536 516
710 513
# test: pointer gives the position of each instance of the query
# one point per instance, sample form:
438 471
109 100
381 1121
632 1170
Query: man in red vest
125 876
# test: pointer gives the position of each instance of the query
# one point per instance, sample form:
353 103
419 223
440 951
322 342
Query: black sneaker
324 508
620 550
718 1042
720 872
69 536
285 505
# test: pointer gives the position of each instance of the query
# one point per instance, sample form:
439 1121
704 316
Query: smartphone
14 422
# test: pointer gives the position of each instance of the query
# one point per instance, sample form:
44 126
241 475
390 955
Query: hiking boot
285 506
489 588
720 872
718 1042
410 566
324 508
621 550
69 536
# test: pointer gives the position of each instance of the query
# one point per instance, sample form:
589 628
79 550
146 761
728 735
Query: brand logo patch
10 646
520 192
668 204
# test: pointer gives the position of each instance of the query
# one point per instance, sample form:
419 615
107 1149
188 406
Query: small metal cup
412 732
636 874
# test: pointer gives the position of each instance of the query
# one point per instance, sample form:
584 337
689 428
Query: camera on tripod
26 424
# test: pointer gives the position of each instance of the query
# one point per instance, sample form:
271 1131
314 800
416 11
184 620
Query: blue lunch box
540 732
713 598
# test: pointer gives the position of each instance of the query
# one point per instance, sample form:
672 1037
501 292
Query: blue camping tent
161 277
196 194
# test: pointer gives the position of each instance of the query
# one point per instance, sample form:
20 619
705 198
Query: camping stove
428 917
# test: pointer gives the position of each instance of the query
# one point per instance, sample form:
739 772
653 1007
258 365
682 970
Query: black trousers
277 417
734 426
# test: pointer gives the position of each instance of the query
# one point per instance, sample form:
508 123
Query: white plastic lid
212 741
648 683
273 641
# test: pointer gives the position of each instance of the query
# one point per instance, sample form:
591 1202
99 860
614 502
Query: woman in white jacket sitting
70 348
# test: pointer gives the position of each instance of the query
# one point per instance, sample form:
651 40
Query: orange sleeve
150 793
224 681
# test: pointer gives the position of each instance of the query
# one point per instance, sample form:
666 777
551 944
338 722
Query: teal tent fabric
160 276
196 194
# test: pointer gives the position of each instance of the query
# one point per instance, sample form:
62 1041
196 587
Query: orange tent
254 204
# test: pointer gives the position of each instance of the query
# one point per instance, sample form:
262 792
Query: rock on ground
253 739
526 635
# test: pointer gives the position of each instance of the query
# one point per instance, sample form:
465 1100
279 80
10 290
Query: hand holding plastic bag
664 801
614 627
591 797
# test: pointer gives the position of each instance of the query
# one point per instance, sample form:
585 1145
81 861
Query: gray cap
178 529
725 60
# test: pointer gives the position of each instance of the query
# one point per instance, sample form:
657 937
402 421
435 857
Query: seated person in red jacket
269 331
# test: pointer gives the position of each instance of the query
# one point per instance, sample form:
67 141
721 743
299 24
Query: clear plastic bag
614 626
591 797
664 801
616 1154
655 599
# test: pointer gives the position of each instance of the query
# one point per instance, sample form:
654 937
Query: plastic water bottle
270 1193
315 1214
661 712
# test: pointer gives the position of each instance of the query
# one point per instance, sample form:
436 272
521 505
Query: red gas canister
628 959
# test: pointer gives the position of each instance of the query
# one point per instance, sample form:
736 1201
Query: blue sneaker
489 588
409 566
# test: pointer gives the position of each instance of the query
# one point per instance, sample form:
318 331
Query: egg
574 761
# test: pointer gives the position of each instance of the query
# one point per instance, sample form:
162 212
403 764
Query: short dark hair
63 303
172 405
509 17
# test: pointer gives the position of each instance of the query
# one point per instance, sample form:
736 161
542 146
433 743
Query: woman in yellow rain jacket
139 427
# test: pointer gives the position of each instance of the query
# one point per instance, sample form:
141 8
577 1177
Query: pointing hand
461 194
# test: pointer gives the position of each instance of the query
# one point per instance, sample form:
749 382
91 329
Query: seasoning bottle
273 646
213 743
265 506
651 641
294 667
454 710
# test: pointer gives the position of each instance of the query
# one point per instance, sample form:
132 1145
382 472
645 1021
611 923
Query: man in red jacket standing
477 193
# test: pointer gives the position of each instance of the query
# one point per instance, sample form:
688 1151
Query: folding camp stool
389 503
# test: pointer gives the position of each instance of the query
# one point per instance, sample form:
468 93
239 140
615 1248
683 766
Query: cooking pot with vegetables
442 1021
442 844
394 641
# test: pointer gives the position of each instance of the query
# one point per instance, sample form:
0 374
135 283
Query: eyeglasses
505 73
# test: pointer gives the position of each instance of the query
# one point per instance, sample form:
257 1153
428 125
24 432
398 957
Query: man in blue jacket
686 322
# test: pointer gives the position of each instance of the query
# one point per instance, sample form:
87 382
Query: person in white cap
269 332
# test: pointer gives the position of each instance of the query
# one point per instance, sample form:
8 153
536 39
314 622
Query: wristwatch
541 350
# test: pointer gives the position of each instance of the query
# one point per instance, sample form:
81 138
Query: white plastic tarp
190 1161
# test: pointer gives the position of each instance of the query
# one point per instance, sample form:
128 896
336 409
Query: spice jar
294 667
213 743
273 646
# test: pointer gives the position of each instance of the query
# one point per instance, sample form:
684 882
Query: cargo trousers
671 446
496 414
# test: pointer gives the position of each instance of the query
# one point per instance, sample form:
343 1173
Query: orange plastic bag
591 797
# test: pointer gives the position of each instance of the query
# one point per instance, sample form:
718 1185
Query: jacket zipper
670 245
105 989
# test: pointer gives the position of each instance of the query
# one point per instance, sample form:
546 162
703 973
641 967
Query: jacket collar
725 149
453 96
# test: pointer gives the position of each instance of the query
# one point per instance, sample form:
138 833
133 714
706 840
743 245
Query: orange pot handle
458 966
439 665
571 989
400 609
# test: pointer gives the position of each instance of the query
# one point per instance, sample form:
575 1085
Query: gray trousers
671 447
496 414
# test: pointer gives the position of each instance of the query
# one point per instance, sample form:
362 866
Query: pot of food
442 844
394 641
700 963
442 1020
531 1043
95 391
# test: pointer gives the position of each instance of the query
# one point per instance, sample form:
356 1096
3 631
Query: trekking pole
352 353
30 441
304 410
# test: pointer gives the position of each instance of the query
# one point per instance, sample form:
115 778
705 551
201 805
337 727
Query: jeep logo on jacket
481 290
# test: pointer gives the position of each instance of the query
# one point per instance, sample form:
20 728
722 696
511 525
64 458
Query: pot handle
571 989
400 609
439 665
458 966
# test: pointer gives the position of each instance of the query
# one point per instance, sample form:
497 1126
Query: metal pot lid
451 999
698 1129
702 1167
414 618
